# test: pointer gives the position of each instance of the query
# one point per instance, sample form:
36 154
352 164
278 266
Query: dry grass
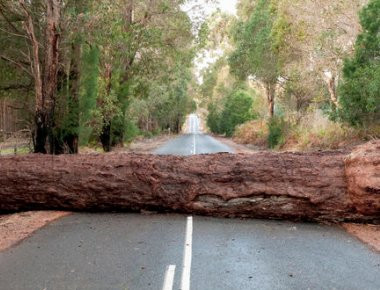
317 132
314 132
253 132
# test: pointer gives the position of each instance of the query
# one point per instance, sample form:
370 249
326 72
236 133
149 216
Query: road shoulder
369 234
238 148
16 227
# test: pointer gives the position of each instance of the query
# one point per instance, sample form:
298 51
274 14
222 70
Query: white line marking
185 282
169 278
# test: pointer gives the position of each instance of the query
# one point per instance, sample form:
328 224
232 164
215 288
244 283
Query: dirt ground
369 234
140 145
239 148
146 145
16 227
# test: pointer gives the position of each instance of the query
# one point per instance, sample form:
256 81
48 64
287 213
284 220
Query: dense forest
95 71
310 71
288 74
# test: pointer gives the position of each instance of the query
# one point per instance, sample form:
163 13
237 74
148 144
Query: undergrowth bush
252 132
131 131
276 132
314 132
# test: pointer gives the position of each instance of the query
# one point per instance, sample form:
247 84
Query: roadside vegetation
77 73
311 70
288 74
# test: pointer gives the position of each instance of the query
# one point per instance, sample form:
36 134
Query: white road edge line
169 278
185 281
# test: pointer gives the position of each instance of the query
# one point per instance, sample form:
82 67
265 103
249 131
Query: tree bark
50 77
40 133
270 91
45 81
105 135
332 90
294 186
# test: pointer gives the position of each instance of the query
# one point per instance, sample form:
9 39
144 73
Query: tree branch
14 28
15 87
15 63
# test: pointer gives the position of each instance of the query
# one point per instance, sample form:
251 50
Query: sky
206 8
209 6
228 6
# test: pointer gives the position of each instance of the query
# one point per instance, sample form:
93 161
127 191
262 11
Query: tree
360 87
312 38
254 55
237 110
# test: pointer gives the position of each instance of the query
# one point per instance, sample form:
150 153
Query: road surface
193 142
138 252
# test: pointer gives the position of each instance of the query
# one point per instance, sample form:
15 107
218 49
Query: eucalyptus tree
147 39
360 87
254 56
38 24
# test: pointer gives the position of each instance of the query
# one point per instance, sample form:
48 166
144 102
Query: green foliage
281 28
203 35
360 89
213 119
360 96
237 110
276 129
255 54
131 131
88 94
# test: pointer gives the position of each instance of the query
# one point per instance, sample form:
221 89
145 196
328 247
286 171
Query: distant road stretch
193 142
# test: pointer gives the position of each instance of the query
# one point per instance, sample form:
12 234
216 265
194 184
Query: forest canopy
310 67
287 74
89 71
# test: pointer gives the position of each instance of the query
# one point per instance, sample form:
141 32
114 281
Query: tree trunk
270 91
45 82
40 133
332 90
105 135
50 76
313 186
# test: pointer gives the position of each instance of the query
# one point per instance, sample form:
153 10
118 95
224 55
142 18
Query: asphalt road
138 252
131 251
193 142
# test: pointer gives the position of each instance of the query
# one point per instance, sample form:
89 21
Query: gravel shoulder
16 227
369 234
239 148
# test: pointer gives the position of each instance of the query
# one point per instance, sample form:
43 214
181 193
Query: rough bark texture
45 80
50 76
263 185
270 90
363 178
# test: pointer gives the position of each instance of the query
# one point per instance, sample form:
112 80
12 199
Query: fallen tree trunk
294 186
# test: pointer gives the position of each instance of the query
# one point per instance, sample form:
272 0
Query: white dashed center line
169 278
185 281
